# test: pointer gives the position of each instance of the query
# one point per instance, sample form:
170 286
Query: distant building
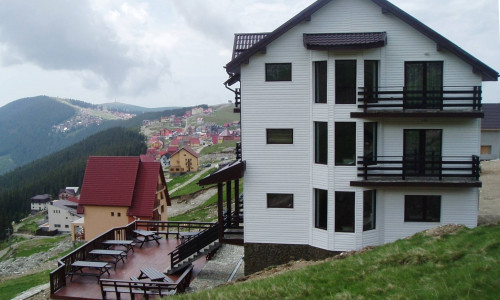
183 161
61 213
490 132
40 202
197 111
118 190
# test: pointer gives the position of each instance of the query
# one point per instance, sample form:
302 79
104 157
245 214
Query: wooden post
220 203
228 202
237 202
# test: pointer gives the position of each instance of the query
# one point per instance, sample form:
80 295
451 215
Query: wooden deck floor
150 255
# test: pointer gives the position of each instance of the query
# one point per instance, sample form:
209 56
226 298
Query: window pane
345 82
371 79
320 81
279 136
345 143
280 200
421 208
344 211
279 72
370 141
320 208
369 210
321 142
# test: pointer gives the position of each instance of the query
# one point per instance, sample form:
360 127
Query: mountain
61 169
128 108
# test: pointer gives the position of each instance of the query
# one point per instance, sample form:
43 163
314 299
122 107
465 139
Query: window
370 142
420 208
112 214
321 142
369 210
320 81
486 149
320 208
371 80
345 143
162 209
422 151
279 72
345 82
119 214
423 84
66 226
279 200
279 136
57 225
344 211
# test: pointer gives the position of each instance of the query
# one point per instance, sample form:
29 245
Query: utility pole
9 233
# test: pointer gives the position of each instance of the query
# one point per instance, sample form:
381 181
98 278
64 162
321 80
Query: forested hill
25 125
61 169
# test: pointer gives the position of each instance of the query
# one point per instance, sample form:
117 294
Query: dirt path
190 180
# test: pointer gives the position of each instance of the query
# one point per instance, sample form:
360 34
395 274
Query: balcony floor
150 255
388 181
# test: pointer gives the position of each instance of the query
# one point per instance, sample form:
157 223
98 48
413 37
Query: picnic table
186 234
117 255
128 244
77 268
147 236
153 275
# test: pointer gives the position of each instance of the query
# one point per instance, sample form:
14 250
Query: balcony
439 171
399 102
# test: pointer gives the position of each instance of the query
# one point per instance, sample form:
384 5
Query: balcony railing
401 99
400 167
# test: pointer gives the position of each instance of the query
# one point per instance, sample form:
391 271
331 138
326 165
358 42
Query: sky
159 53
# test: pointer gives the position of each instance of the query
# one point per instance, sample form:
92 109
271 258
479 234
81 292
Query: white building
360 126
61 214
40 202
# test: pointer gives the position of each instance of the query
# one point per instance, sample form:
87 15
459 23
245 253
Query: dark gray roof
491 118
244 41
487 73
344 41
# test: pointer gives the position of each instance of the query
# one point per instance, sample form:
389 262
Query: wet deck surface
150 255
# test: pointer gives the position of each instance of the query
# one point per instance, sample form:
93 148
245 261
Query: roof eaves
488 74
304 15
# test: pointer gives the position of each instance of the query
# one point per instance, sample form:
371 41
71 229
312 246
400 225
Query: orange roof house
117 190
183 161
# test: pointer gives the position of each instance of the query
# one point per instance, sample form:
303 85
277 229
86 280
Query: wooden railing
58 276
400 98
194 244
402 167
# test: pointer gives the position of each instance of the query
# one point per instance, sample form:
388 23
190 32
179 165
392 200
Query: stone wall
261 256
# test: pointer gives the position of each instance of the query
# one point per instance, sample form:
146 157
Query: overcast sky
157 53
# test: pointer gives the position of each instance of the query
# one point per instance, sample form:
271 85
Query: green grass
31 223
224 114
179 180
192 187
203 213
465 265
33 246
10 288
218 147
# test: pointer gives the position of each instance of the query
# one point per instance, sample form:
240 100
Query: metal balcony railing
401 98
400 167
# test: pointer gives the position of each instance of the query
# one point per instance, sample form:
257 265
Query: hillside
123 107
449 262
61 169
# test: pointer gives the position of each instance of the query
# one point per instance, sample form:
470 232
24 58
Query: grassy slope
465 265
224 114
10 288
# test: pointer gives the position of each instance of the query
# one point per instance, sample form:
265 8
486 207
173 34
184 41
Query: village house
61 213
118 190
490 132
183 161
40 202
361 127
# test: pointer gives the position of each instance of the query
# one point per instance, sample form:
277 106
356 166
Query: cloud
72 36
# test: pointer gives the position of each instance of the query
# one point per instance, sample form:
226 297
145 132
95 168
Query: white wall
290 168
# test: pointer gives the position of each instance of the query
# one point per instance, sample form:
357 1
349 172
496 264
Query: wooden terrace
151 255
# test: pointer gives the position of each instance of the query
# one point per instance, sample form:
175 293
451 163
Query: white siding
291 168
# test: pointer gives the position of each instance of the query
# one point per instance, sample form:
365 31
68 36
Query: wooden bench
146 288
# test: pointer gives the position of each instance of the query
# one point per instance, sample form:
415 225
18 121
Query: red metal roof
145 190
109 181
121 181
